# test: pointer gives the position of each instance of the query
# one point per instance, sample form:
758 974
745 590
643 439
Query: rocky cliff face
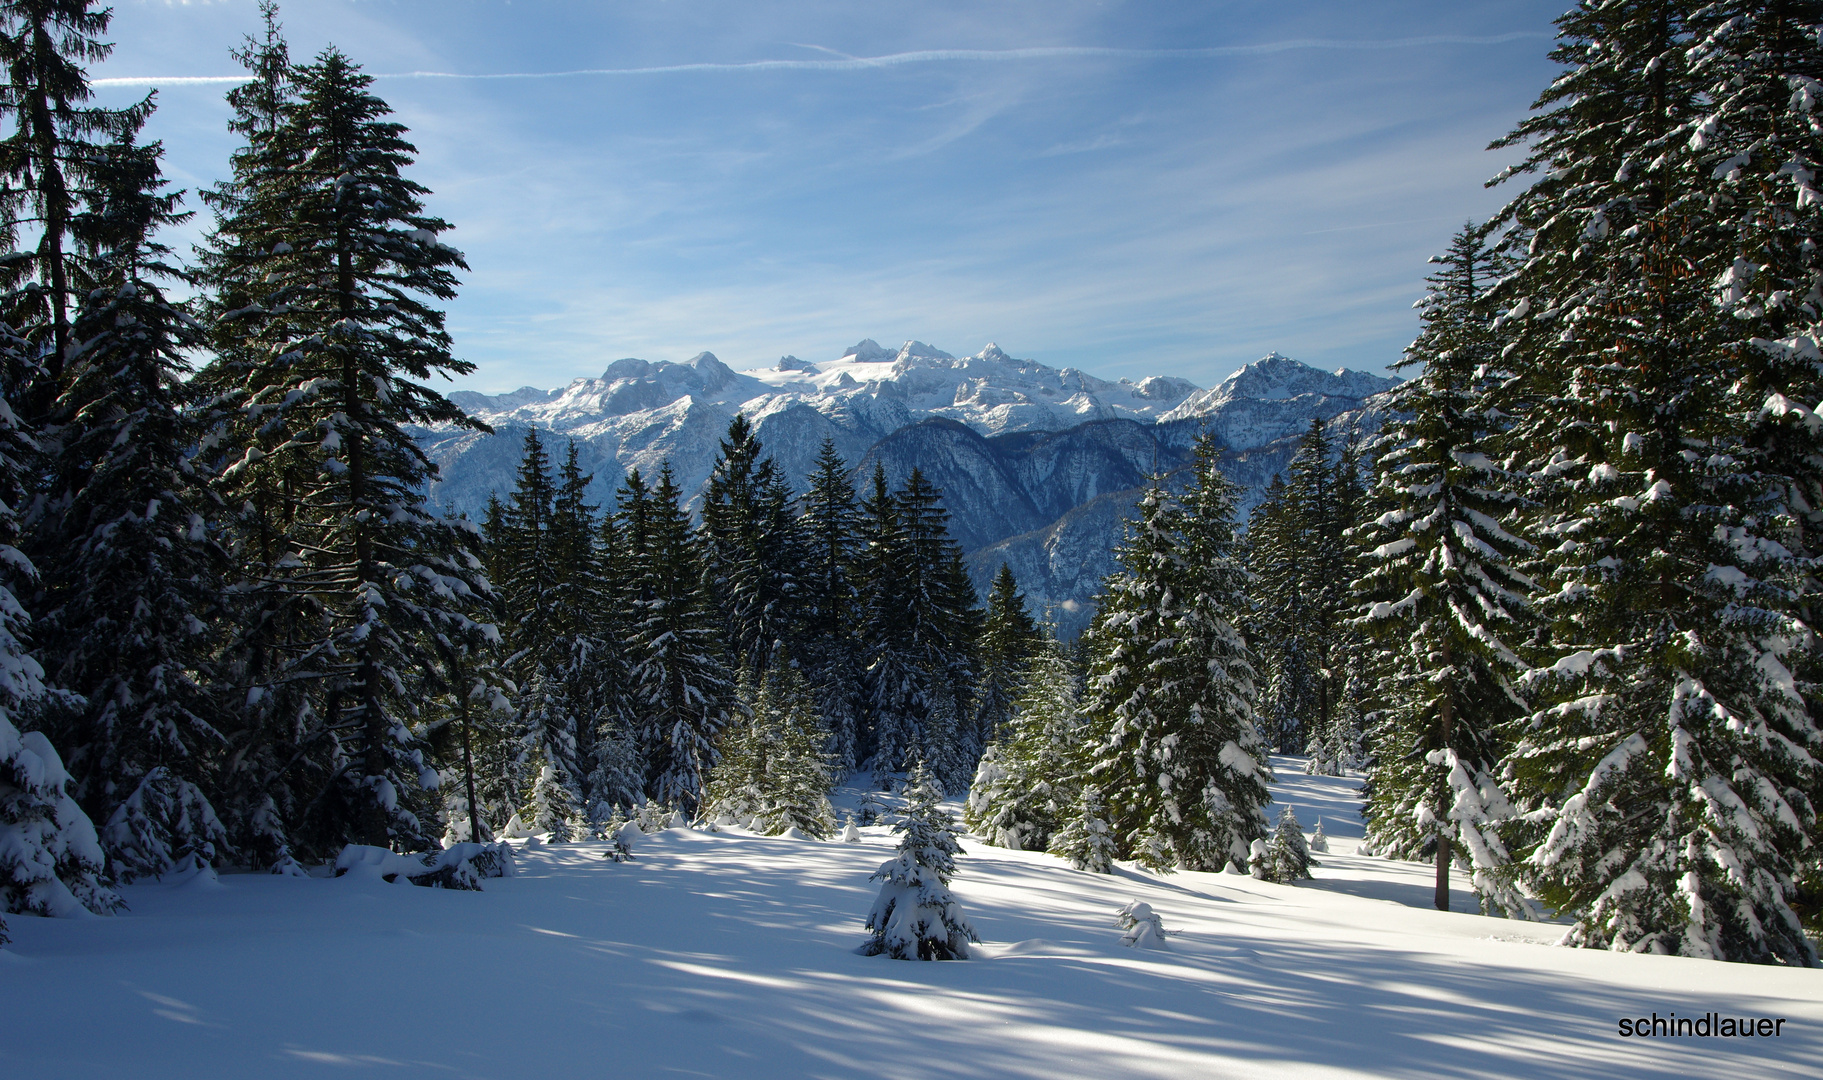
1039 465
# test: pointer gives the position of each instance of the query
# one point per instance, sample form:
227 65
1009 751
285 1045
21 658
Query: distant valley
1039 466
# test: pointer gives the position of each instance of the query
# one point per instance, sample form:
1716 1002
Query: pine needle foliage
326 273
1668 767
1443 596
915 917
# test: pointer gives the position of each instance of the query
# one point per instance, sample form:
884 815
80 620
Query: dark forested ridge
1557 606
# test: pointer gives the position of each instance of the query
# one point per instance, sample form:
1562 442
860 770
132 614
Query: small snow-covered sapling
915 917
1144 929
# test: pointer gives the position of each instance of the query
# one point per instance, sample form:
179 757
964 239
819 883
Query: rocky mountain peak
918 350
868 351
1039 464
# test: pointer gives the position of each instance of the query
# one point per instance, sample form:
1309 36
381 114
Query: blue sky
1128 188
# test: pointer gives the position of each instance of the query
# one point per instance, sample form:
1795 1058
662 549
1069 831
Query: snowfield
729 955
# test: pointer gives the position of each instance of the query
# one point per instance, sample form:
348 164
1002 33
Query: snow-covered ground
728 955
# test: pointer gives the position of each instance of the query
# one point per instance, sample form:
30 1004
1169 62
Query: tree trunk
1445 849
468 766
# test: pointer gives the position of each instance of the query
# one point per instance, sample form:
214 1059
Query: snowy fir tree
774 772
523 564
1668 770
1025 785
50 857
1172 743
1219 695
130 577
552 807
829 601
682 689
752 550
1143 927
919 634
1301 564
1443 596
325 270
1287 856
915 917
1009 638
1086 839
1278 622
50 860
55 170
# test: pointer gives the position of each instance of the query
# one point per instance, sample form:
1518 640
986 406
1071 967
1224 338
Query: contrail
925 56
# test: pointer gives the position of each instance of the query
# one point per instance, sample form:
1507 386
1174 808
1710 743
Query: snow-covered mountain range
1039 465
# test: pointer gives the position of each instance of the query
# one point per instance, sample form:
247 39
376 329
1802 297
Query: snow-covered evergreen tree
1669 766
1143 927
752 551
50 859
1287 858
1026 784
1220 693
522 562
1086 839
774 770
165 826
1009 638
1301 569
1173 744
551 807
325 272
130 575
915 917
1279 625
1443 596
832 652
682 690
916 625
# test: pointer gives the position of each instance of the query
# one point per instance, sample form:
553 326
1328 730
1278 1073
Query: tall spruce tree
1009 639
1220 697
53 154
131 576
830 601
325 271
617 775
1302 566
1280 624
1759 64
683 691
50 860
1173 747
751 550
1670 759
523 564
543 595
918 628
1444 598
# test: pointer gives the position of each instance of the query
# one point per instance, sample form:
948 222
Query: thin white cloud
923 56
